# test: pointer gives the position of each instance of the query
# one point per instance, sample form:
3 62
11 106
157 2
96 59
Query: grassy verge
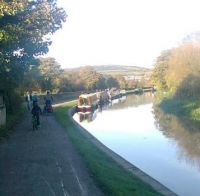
189 109
111 177
11 121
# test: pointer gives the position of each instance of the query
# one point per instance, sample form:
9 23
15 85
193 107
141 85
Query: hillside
117 69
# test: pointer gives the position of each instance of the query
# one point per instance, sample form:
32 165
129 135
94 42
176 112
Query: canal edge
124 163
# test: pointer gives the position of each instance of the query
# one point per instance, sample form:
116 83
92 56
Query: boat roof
87 95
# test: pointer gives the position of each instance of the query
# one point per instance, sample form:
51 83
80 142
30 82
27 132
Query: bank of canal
112 178
157 143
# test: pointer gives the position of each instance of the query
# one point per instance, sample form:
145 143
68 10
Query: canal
160 144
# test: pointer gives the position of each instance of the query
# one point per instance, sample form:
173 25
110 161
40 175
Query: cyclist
34 97
48 102
36 111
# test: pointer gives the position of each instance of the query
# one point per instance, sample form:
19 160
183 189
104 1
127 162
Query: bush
13 101
189 88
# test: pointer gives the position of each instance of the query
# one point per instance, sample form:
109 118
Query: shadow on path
42 162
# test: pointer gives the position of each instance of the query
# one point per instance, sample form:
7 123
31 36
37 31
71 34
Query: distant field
123 72
118 70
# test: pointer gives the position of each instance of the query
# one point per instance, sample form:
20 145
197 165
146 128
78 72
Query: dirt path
42 163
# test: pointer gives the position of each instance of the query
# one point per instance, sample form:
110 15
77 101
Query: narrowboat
87 103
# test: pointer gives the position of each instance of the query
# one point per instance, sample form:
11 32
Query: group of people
32 104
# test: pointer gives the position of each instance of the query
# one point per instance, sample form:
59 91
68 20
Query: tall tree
160 70
178 70
25 27
184 62
50 71
91 78
111 82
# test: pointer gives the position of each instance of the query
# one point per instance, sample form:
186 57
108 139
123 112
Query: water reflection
131 100
185 132
87 116
120 103
163 146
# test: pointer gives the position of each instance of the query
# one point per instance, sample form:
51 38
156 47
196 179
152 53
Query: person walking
28 100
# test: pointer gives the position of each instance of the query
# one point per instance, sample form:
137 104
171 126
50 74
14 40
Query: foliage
50 71
32 77
11 7
161 67
184 62
178 70
121 81
65 84
86 79
11 121
45 76
110 76
111 82
189 87
49 76
91 79
25 27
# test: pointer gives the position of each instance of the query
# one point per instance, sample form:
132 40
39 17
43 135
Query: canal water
160 144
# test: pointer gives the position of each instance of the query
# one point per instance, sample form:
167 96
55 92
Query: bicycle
48 109
34 122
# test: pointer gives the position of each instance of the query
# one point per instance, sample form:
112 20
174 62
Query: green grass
189 109
11 121
111 177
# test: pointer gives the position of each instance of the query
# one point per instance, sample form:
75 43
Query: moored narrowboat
87 103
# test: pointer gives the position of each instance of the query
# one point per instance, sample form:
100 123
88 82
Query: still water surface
160 144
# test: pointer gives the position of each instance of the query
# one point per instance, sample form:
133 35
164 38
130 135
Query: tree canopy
178 70
25 29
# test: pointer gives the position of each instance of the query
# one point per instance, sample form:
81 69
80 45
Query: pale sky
122 32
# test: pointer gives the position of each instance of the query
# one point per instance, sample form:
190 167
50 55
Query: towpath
42 163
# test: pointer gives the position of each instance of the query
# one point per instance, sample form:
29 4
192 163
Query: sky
122 32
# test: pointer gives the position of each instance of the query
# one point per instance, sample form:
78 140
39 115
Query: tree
31 80
184 61
111 82
11 7
121 81
50 71
65 85
160 70
24 34
91 79
178 70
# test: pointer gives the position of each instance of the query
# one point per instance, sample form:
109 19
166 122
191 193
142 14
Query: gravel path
42 163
